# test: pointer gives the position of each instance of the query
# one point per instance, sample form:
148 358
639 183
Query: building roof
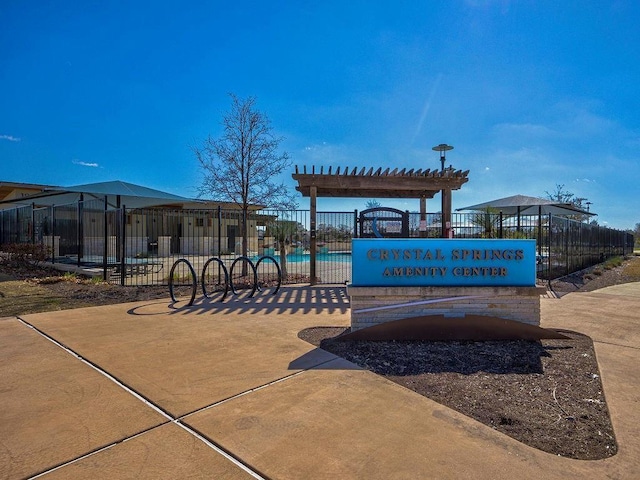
6 188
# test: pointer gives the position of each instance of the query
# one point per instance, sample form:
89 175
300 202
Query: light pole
588 208
443 147
445 192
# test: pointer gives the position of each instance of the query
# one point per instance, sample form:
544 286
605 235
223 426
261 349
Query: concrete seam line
220 451
420 302
77 459
247 392
100 370
146 401
614 344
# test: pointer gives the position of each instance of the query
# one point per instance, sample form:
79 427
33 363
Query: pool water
339 257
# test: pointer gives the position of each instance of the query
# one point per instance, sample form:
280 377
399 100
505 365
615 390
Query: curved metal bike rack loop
277 268
194 284
226 277
255 275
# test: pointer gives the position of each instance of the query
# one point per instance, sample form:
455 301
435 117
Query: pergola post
422 228
446 212
313 242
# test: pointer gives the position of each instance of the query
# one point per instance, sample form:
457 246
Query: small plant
597 272
24 254
612 263
69 277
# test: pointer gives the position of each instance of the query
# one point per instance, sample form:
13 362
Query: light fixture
443 147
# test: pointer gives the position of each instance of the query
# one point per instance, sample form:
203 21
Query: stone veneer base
521 304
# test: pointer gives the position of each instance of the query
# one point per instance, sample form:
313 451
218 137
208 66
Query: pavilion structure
358 183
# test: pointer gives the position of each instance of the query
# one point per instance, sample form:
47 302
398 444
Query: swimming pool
338 257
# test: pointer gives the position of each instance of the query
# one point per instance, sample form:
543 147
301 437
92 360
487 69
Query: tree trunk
245 249
283 259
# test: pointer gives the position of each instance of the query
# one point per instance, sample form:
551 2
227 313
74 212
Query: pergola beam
380 184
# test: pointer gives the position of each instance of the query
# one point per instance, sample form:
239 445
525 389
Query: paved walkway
229 391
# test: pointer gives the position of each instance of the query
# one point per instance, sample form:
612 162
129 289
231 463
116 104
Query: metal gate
384 222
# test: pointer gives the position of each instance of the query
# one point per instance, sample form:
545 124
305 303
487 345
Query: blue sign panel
417 262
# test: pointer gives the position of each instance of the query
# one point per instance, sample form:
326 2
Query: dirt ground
546 394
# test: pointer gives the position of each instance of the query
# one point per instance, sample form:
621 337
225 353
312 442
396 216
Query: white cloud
11 138
85 164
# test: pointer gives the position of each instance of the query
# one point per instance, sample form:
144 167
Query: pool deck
151 390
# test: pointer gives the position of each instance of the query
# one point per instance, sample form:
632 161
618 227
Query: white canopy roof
523 205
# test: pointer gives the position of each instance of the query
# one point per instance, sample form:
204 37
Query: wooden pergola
357 183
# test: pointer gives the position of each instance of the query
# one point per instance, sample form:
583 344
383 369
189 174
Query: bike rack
228 277
260 260
194 283
255 275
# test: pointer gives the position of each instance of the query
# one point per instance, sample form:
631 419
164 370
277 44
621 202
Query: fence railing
139 246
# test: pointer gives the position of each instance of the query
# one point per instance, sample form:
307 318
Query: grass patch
18 297
613 262
632 268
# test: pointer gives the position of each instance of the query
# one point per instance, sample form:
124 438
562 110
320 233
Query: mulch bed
546 394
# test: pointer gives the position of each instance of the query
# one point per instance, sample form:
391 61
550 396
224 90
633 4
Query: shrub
613 263
24 254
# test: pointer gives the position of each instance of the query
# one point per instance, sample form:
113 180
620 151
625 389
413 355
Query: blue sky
530 93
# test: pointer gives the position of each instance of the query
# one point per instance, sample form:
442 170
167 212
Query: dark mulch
546 394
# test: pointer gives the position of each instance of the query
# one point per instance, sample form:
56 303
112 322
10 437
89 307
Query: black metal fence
139 246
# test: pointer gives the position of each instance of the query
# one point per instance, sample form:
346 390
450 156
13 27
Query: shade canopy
523 205
117 193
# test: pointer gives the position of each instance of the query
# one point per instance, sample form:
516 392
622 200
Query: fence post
123 233
33 223
566 246
80 230
500 230
105 252
53 234
539 241
312 235
550 232
355 223
219 230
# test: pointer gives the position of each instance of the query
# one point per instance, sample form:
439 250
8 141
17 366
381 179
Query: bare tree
242 165
561 195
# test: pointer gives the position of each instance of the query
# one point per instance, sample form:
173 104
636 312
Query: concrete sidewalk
228 390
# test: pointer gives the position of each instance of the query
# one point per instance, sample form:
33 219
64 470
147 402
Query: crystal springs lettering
423 262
